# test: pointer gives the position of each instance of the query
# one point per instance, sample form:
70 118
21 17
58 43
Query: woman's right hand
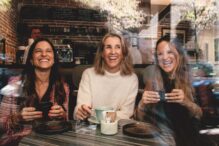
30 114
150 97
83 112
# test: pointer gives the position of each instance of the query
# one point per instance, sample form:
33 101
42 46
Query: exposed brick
8 21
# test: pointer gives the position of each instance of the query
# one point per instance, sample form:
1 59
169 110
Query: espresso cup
45 107
99 112
162 96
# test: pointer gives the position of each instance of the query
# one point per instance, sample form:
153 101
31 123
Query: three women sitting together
110 82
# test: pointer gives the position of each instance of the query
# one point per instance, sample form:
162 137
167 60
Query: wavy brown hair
28 77
181 72
126 67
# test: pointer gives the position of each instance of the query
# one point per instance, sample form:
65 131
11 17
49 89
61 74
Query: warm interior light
4 5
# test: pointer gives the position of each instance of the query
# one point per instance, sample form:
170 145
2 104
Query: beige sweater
111 90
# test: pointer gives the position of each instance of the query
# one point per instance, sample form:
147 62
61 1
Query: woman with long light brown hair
168 100
105 83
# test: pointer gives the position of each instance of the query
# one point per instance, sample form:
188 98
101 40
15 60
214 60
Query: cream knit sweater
111 90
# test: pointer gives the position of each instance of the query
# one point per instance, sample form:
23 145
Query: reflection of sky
211 83
201 82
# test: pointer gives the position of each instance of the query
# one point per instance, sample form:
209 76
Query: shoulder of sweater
89 70
134 77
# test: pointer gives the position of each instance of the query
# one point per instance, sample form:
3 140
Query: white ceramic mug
109 128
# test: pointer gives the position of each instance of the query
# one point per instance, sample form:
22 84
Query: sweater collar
112 74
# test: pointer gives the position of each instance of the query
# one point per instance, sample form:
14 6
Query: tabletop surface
89 134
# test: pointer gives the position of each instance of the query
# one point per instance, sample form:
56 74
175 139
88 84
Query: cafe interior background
77 26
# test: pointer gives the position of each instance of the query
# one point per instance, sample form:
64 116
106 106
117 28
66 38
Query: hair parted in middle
126 67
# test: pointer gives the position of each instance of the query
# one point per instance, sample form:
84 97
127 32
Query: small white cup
109 128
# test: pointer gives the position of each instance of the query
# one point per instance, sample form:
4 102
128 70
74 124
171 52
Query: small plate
140 130
93 120
52 127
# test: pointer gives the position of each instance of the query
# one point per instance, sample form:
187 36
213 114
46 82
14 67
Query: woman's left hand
176 95
57 111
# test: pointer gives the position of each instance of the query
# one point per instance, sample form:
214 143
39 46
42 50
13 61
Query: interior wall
8 29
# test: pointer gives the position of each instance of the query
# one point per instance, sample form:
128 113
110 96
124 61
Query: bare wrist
141 106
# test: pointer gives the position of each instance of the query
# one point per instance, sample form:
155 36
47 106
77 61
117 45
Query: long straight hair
29 77
181 72
126 67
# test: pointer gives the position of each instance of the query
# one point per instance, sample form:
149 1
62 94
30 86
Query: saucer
52 127
140 130
93 120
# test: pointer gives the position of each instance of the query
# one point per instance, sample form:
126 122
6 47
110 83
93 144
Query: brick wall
9 18
83 35
29 23
8 25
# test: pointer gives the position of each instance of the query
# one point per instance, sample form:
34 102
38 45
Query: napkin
12 89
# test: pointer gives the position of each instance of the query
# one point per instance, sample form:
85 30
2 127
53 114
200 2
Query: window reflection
142 23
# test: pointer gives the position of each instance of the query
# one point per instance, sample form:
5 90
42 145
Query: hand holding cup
56 111
44 107
30 114
150 97
84 111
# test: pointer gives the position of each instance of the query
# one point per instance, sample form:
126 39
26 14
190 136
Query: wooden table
89 135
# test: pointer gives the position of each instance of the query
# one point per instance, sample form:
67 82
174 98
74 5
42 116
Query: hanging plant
121 15
5 5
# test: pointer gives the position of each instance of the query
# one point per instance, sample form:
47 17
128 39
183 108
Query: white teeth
112 57
167 62
44 60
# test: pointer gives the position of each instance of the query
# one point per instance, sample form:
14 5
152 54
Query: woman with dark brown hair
168 99
105 83
39 86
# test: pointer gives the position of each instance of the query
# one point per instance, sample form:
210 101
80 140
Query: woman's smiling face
112 54
167 57
43 55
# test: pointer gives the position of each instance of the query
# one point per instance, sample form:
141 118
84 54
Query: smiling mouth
113 58
167 63
44 60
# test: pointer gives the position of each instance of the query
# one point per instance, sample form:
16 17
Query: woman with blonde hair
105 83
